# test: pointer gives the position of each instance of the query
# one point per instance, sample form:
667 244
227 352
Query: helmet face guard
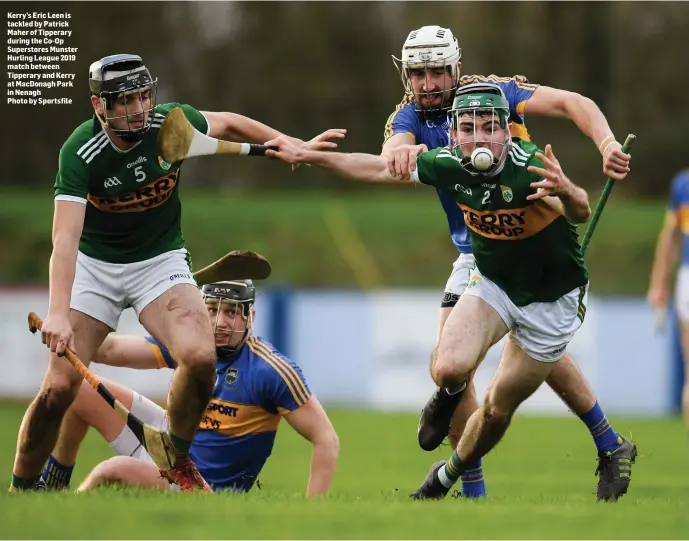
427 49
124 77
238 297
475 104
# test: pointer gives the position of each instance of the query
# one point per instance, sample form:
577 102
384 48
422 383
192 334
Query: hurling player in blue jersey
673 242
256 386
430 70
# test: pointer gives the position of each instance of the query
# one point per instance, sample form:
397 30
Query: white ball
482 159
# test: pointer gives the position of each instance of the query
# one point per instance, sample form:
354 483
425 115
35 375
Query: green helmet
480 99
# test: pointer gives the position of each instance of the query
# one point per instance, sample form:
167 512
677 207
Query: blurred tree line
303 67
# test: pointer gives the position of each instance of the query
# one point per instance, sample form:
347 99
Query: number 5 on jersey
139 173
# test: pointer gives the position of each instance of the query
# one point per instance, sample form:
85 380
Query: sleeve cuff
415 174
72 198
208 124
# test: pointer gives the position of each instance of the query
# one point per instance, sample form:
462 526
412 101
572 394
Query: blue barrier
280 301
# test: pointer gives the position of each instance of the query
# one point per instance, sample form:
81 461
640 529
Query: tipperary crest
506 193
231 376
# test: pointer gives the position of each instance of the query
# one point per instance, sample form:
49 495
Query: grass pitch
540 481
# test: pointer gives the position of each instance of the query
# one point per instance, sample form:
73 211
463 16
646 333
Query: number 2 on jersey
486 196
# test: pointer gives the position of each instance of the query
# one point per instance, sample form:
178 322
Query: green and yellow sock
451 472
181 446
23 483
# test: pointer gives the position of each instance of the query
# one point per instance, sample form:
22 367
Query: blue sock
605 438
55 475
473 485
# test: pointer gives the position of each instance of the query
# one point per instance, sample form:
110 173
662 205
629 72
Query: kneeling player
255 387
530 280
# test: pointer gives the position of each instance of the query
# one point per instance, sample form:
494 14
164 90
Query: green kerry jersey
133 210
527 248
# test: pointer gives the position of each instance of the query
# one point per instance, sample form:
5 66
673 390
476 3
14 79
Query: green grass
404 231
540 482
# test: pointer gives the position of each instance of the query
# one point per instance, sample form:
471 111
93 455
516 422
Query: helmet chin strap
130 137
227 350
125 135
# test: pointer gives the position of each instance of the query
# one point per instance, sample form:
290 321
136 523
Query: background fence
371 350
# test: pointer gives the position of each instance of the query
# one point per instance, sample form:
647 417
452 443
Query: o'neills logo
140 159
146 197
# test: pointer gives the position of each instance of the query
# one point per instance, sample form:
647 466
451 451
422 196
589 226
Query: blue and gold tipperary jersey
679 203
436 132
253 389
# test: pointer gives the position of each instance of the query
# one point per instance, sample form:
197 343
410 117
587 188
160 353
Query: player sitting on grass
255 387
531 280
118 243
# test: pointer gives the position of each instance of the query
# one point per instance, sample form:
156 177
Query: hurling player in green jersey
430 66
117 243
530 280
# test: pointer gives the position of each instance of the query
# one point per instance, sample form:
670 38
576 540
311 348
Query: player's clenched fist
402 159
287 151
56 333
615 162
322 141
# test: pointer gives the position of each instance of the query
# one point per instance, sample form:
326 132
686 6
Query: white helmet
429 47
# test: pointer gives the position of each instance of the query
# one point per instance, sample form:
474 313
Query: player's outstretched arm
666 253
588 117
128 351
358 167
311 421
235 127
557 190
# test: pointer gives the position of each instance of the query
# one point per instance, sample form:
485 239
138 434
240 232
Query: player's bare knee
199 360
446 376
497 415
333 442
59 391
109 472
449 373
454 358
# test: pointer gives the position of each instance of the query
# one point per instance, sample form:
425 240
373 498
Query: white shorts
541 329
104 290
682 293
458 280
